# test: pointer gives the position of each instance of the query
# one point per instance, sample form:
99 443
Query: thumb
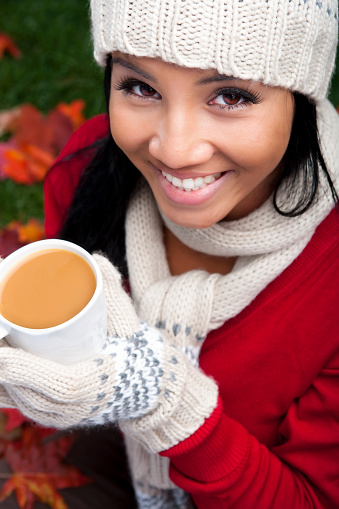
121 315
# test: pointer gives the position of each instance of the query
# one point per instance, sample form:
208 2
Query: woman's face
210 146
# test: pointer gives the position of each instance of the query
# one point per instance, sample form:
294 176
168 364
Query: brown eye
147 90
231 99
144 90
228 98
137 88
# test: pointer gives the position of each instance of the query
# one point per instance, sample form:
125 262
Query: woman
216 200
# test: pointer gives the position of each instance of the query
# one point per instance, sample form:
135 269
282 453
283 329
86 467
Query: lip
198 197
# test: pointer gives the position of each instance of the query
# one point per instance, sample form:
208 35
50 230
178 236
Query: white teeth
209 179
191 184
169 177
188 184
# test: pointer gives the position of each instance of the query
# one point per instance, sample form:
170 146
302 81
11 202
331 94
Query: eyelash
127 84
248 96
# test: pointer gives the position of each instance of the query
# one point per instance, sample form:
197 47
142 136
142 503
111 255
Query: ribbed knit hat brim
287 43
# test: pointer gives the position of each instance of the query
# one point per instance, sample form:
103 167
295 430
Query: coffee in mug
52 301
46 289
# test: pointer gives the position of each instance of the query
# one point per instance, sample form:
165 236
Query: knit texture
187 307
136 374
287 43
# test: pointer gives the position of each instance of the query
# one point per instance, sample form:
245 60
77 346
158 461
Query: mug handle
3 332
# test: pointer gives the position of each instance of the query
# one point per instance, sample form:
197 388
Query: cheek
126 130
265 145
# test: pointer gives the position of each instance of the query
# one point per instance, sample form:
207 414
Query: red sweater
273 441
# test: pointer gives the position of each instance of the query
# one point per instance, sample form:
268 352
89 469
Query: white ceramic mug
75 340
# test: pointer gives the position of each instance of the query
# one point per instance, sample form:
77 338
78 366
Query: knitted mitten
179 417
136 373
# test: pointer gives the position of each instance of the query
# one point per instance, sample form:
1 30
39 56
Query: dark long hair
303 161
96 218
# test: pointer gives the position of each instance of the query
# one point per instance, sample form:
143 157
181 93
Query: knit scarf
188 306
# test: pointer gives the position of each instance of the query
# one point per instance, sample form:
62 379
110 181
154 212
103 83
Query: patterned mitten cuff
128 380
180 413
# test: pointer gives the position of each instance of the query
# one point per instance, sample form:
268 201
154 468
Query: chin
196 223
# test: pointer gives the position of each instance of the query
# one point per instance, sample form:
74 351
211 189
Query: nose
179 140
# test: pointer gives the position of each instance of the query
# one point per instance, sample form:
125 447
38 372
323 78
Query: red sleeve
273 442
228 467
62 179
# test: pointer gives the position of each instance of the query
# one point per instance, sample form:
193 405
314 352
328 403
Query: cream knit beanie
287 43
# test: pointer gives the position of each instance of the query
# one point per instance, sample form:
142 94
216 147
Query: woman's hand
138 378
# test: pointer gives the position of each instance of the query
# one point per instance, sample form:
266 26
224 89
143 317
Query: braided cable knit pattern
287 43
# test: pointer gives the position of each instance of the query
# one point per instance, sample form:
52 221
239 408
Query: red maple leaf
31 128
27 164
7 44
38 469
32 231
73 111
36 139
4 147
9 242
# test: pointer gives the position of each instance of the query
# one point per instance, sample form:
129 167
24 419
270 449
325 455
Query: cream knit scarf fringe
188 306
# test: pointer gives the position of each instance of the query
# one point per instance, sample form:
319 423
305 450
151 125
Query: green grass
56 65
57 62
20 202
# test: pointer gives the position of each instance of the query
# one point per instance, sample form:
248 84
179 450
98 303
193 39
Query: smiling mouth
191 184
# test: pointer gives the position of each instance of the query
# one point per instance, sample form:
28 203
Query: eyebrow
134 67
214 79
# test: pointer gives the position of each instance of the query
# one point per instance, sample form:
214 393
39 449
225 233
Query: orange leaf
38 467
7 44
40 155
49 133
40 485
36 139
27 164
24 495
16 235
37 170
73 111
16 167
29 127
32 231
